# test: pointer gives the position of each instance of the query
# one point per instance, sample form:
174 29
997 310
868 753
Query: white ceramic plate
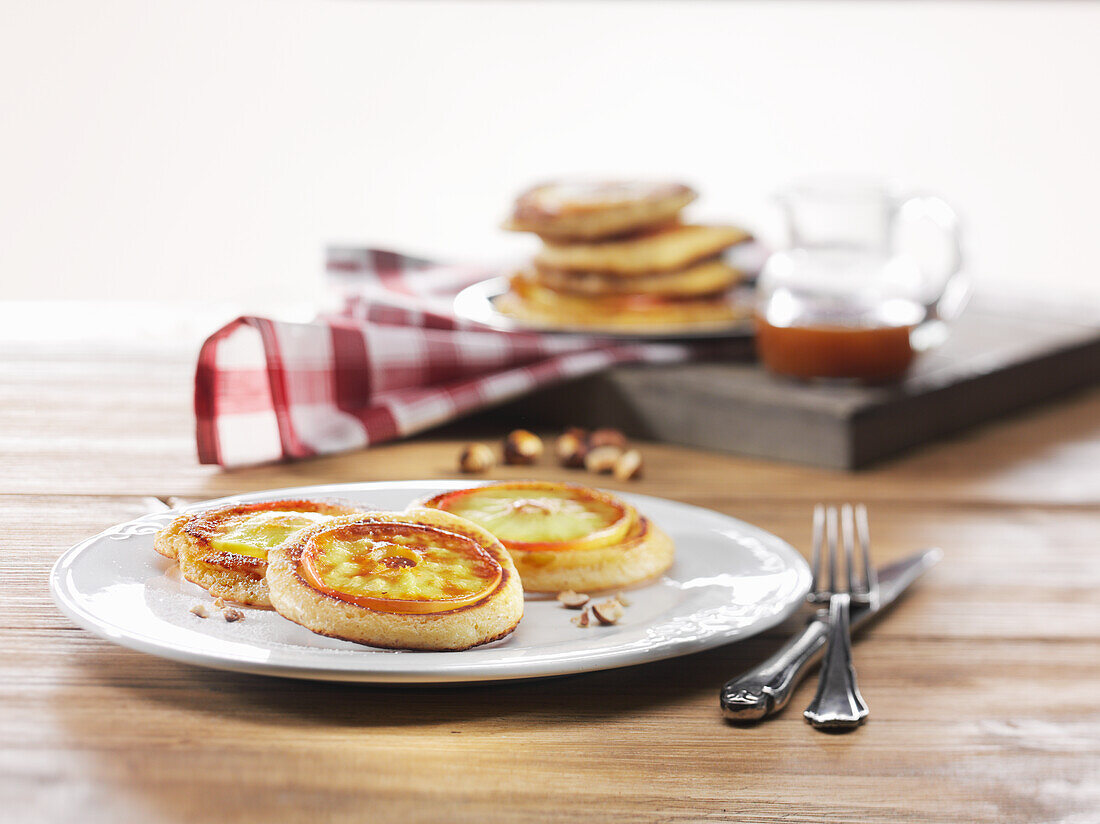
478 303
730 580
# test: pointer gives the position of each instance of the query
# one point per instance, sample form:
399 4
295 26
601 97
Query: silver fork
838 704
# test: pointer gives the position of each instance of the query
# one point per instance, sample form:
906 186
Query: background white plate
730 580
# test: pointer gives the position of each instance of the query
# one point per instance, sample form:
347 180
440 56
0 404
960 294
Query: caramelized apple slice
254 533
536 516
400 568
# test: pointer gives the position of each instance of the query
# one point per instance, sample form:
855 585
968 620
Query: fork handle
766 688
838 704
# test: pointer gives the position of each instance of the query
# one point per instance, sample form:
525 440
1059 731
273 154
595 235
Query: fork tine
870 577
847 531
819 536
831 533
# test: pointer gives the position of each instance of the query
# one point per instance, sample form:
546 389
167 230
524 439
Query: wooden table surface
984 684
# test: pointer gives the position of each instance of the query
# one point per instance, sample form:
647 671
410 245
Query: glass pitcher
868 281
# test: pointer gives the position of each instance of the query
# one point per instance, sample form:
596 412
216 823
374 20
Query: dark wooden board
996 360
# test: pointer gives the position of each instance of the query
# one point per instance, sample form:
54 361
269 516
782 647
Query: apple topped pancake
225 550
420 579
564 536
590 210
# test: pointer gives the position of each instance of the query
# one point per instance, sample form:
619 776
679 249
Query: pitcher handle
934 210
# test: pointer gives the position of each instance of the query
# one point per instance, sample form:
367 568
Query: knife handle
766 688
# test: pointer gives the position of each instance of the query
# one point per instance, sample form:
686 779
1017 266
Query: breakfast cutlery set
841 606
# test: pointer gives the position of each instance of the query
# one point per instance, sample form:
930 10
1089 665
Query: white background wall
209 148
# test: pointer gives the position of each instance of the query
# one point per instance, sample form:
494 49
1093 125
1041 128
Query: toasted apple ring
224 550
466 574
349 579
640 553
560 517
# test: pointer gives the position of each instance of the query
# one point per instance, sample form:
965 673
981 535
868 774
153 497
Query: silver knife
765 689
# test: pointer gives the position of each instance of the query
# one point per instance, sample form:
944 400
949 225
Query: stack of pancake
616 256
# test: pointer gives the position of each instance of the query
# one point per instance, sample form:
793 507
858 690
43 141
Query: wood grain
984 684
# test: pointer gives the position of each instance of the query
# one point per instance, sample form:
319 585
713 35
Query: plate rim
128 638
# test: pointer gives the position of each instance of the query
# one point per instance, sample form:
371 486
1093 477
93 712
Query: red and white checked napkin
394 361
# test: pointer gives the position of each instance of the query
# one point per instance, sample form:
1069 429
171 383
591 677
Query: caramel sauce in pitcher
872 354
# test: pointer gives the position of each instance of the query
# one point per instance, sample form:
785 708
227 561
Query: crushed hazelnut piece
199 610
622 599
219 603
628 466
475 457
231 615
580 620
608 612
572 600
522 447
602 458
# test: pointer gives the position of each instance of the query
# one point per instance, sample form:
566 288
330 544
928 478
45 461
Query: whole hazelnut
602 458
475 457
522 447
606 437
628 466
571 447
